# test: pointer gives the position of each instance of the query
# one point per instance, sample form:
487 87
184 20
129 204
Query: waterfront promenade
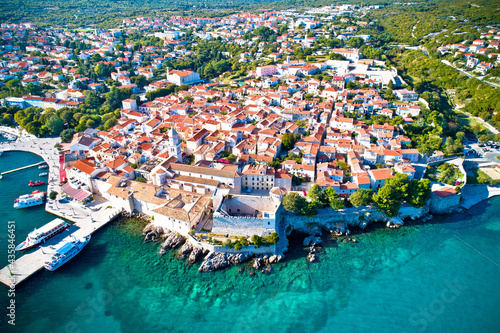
86 219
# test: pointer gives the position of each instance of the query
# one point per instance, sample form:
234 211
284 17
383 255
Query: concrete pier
86 219
24 167
33 261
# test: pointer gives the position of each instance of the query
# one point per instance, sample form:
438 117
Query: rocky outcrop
139 216
153 233
185 250
339 222
395 222
148 228
214 261
276 258
257 263
311 257
195 253
312 240
172 241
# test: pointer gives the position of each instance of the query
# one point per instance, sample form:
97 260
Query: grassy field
465 120
444 173
484 176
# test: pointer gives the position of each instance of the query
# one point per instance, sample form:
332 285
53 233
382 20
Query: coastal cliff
341 220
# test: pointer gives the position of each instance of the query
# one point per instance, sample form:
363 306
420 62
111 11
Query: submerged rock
257 263
311 257
276 258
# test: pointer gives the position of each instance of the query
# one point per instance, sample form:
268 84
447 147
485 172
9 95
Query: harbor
84 224
86 219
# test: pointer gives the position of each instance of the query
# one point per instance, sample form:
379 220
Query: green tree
336 203
293 202
90 123
361 197
388 200
231 158
273 238
53 195
227 243
314 192
330 192
419 192
243 241
257 241
311 208
287 141
391 196
55 124
343 166
110 123
141 81
67 135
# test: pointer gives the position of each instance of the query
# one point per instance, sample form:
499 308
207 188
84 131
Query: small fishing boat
36 183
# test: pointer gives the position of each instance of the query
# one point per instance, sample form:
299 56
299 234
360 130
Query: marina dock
24 167
33 261
86 220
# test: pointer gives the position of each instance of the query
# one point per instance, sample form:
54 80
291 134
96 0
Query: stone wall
218 248
444 205
241 226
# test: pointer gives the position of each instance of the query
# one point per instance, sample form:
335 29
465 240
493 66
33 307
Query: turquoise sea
442 276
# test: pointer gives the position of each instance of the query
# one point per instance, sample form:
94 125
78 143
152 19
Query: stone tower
174 145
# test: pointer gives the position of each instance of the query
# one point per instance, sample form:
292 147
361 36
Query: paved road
480 120
492 157
446 62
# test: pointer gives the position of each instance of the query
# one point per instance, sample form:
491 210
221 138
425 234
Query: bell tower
174 145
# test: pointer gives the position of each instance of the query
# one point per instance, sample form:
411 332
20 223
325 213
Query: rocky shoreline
336 225
212 261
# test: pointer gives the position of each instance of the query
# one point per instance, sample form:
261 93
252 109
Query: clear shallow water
436 277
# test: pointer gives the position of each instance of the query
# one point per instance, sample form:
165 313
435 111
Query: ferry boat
36 183
66 252
43 166
28 200
42 174
42 234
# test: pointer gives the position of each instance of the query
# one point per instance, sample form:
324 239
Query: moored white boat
42 234
66 252
29 200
